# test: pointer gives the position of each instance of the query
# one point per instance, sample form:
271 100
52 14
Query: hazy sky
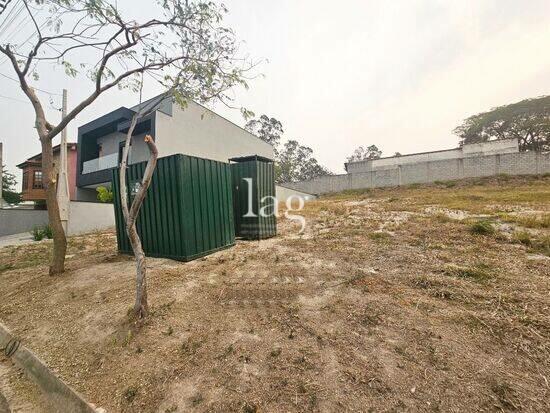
398 74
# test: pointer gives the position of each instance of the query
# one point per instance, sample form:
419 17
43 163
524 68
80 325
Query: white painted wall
197 131
90 216
283 193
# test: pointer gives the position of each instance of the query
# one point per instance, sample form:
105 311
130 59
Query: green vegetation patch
482 227
479 272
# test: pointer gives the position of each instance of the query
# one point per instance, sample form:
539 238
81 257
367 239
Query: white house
195 131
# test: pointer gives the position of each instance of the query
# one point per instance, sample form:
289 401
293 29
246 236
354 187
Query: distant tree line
293 162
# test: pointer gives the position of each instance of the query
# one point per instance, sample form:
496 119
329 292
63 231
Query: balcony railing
99 164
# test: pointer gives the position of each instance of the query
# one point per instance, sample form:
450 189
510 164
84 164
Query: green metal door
254 197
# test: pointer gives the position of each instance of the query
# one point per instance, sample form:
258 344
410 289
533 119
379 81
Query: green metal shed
187 212
254 180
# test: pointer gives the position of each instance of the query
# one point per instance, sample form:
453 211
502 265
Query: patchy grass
343 316
482 227
380 236
479 272
529 220
522 237
479 195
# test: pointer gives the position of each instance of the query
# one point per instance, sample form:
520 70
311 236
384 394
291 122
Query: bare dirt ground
392 300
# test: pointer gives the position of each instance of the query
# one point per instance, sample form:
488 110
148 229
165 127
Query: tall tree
293 162
268 129
9 182
528 121
362 154
296 163
180 39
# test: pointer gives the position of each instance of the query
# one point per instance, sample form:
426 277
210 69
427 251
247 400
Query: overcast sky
398 74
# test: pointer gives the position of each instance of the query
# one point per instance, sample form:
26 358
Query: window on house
25 180
37 180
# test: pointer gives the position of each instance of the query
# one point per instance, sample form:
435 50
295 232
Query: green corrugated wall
263 184
188 210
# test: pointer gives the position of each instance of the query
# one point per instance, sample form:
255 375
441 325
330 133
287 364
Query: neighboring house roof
164 106
37 159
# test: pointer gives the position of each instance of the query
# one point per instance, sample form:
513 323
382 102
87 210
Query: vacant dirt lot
431 298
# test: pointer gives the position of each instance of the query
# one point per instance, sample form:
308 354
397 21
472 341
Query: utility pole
63 179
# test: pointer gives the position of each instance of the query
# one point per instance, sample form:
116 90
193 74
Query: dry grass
381 304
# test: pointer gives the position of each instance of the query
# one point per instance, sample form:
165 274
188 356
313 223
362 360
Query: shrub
37 234
48 232
104 194
482 227
522 237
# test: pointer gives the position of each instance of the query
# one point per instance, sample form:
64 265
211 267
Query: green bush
48 232
482 227
39 233
104 194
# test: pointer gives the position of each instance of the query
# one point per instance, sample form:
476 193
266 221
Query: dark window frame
25 182
37 183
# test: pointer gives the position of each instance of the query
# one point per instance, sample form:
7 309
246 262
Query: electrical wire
35 88
8 21
14 99
3 5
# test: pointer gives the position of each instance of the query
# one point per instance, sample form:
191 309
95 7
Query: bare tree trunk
141 306
49 179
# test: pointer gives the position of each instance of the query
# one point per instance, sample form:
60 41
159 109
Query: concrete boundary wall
283 193
90 216
520 163
83 217
17 221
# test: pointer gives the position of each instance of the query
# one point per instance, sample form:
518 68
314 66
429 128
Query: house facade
32 188
195 131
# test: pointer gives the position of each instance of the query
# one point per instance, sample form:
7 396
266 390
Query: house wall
197 131
111 142
71 171
520 163
36 194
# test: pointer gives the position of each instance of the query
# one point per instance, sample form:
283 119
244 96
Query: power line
35 88
3 5
14 99
5 25
4 9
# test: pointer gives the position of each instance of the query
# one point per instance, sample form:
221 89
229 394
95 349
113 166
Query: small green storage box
187 212
248 197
